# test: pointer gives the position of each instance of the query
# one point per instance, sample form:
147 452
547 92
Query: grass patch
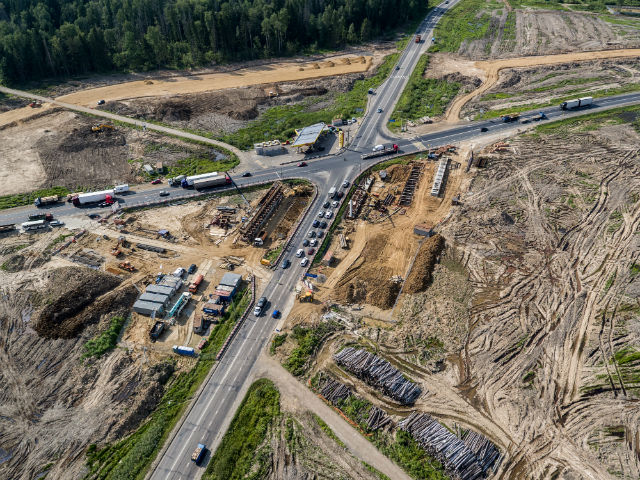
277 342
236 456
281 121
272 254
634 269
423 96
529 377
375 471
615 222
327 429
615 115
406 452
461 23
496 96
610 281
130 457
21 199
308 339
105 341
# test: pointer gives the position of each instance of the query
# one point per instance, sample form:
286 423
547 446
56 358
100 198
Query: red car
302 164
310 251
156 181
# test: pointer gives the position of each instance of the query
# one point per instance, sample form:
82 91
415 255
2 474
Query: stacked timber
378 418
462 460
378 373
335 391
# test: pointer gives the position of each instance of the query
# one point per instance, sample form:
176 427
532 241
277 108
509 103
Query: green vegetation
236 456
39 40
327 429
406 452
130 457
423 96
588 120
272 254
496 96
462 23
634 269
105 341
563 83
309 340
615 222
628 361
375 471
20 199
281 121
529 377
610 281
277 342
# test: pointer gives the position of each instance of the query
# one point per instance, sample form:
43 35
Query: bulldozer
101 127
127 266
306 296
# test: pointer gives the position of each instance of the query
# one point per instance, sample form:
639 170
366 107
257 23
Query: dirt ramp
421 272
71 290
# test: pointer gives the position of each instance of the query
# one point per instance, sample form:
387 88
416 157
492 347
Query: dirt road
300 398
491 69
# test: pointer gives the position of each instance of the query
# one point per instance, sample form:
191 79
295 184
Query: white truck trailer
93 197
576 103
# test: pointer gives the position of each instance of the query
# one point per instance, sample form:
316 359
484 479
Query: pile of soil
399 173
420 275
71 290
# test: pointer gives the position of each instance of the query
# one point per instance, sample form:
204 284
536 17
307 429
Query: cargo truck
121 188
41 216
577 103
93 197
190 181
41 201
216 181
418 38
193 288
380 150
198 453
156 330
186 351
510 118
332 192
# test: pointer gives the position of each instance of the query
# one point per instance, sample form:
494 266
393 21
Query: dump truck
198 453
93 197
510 118
380 150
41 216
193 288
121 188
35 104
156 330
41 201
259 240
182 350
418 38
577 103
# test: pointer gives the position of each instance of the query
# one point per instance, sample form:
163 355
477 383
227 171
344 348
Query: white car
304 262
335 204
313 242
329 214
300 253
320 214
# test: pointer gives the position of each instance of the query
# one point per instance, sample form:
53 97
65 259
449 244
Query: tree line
52 38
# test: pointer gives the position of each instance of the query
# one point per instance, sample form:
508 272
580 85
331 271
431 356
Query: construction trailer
148 308
424 230
161 289
231 279
273 147
171 281
155 298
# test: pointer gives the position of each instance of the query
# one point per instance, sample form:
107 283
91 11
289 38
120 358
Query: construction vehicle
510 118
41 216
198 453
418 38
186 351
41 201
577 103
101 127
35 104
93 197
380 150
127 266
156 330
259 240
193 288
305 296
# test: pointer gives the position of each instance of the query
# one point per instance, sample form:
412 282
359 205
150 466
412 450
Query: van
332 192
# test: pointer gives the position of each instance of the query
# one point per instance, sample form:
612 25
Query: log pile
378 373
378 418
464 460
335 391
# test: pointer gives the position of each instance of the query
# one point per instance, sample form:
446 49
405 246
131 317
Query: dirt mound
398 173
172 111
472 82
420 276
69 291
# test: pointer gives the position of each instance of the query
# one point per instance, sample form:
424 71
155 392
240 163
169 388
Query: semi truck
41 216
121 188
190 181
93 197
198 453
216 181
380 150
193 288
175 181
33 225
186 351
577 103
41 201
418 38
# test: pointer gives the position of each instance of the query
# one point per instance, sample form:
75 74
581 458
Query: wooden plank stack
468 459
378 373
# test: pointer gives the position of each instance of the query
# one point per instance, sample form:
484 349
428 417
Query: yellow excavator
101 128
306 296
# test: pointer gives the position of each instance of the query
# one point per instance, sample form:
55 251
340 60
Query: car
340 194
320 234
345 184
315 224
276 314
302 164
104 204
156 181
192 268
329 214
484 129
397 67
335 204
326 205
323 224
305 243
321 213
93 215
246 174
286 264
164 193
310 251
262 302
379 110
313 242
525 120
304 262
56 223
100 102
312 234
447 2
300 253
